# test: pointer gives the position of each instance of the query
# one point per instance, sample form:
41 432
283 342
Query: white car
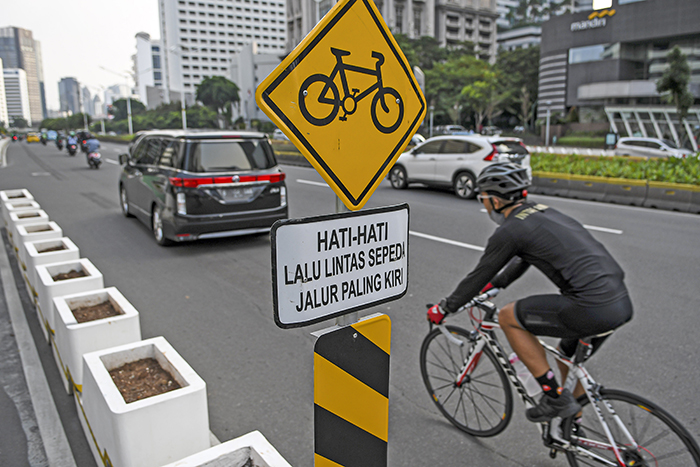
278 135
649 147
455 161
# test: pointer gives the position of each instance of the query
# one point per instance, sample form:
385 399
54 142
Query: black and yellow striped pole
351 394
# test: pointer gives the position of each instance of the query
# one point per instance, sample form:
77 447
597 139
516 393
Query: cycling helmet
505 180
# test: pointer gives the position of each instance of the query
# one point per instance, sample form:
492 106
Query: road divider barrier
646 193
168 428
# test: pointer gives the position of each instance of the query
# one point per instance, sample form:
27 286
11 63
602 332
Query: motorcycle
72 149
94 160
83 146
59 144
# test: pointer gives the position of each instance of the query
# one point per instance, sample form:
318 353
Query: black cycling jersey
555 244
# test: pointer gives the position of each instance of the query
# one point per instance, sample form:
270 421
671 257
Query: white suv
455 161
649 147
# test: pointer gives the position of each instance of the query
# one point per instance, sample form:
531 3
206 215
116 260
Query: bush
669 170
582 141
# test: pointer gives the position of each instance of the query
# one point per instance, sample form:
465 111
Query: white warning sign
332 265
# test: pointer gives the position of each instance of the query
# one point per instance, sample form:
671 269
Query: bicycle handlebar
479 299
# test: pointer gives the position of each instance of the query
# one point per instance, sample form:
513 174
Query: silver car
649 147
454 161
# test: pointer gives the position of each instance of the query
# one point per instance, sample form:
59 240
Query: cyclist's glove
436 313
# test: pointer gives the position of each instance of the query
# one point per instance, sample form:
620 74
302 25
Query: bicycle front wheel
662 441
482 404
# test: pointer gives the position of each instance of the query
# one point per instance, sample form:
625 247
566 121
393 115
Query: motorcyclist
92 144
72 139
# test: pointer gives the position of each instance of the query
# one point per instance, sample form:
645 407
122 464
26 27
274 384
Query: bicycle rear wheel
483 404
662 440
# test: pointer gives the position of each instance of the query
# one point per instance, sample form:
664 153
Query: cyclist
593 297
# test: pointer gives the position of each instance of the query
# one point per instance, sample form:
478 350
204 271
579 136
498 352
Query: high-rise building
149 70
200 37
69 95
17 94
4 118
447 21
86 100
18 49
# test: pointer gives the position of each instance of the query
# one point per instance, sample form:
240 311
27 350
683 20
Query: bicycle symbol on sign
330 100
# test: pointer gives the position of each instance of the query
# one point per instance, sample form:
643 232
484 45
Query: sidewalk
34 419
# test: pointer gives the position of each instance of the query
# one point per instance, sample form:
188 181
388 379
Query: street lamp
546 134
128 96
183 109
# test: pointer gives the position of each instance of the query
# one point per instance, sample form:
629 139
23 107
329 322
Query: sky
80 36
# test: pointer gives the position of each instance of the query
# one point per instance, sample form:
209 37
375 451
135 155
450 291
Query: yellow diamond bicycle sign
347 98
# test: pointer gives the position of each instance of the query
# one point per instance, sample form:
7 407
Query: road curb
53 435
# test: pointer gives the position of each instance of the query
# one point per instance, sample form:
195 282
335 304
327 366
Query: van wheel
124 202
157 225
464 185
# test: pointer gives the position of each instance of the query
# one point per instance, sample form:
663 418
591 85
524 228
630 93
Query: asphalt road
212 300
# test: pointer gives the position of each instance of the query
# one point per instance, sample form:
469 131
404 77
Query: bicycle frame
484 335
341 68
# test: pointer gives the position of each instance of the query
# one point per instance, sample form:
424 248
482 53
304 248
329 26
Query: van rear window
227 155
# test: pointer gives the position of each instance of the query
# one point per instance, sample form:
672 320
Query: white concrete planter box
251 449
13 196
47 288
28 217
17 206
33 232
73 339
21 194
151 432
35 255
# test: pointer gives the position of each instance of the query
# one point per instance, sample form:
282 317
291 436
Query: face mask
498 217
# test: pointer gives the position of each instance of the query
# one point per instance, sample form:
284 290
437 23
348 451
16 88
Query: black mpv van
189 184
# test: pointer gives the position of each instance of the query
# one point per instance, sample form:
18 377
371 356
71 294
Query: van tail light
196 182
181 203
493 153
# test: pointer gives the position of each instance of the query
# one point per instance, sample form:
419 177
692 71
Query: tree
675 82
519 70
218 93
484 93
19 122
120 111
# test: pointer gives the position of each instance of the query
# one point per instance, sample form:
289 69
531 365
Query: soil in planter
45 229
53 248
141 379
91 313
16 196
25 216
72 274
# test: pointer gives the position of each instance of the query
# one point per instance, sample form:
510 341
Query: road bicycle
467 375
331 101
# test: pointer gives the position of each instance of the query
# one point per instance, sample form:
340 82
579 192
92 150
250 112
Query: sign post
348 100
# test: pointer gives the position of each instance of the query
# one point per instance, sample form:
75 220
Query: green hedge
670 170
582 141
116 139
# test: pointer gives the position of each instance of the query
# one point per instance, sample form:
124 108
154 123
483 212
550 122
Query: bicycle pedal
553 453
342 119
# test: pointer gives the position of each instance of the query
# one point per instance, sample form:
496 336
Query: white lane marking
41 174
310 182
603 229
445 240
111 161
